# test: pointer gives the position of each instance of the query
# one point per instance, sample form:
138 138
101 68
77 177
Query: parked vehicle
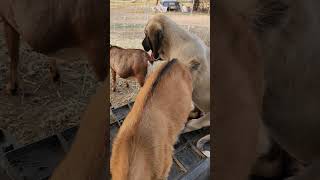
172 5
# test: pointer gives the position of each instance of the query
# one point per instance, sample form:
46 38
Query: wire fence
129 17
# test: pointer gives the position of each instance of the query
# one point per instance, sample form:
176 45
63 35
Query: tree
196 5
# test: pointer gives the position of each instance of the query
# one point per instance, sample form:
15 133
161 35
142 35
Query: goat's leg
114 80
140 80
12 39
54 70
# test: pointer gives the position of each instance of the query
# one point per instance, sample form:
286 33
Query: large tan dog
266 66
143 147
167 40
87 158
48 26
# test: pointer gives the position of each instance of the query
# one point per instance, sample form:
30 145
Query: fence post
192 6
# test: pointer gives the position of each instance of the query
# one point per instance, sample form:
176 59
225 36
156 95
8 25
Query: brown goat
87 158
48 26
143 147
128 63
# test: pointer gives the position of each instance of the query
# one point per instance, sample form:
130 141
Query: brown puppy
48 26
87 158
266 69
143 147
128 63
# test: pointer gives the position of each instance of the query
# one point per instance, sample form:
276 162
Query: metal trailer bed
37 160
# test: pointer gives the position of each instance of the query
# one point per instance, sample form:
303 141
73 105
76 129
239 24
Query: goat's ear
194 65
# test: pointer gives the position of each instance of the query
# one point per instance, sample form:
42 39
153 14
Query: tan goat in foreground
143 147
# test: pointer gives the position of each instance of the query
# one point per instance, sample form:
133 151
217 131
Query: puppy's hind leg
12 39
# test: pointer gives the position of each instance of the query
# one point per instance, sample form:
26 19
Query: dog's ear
159 37
157 40
145 44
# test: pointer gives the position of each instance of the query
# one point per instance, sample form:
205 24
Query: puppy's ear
157 40
145 44
159 36
194 65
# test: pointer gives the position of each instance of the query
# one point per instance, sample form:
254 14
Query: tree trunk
196 5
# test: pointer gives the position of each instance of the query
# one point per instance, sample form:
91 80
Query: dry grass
42 107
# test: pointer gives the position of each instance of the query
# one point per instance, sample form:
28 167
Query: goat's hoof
11 90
